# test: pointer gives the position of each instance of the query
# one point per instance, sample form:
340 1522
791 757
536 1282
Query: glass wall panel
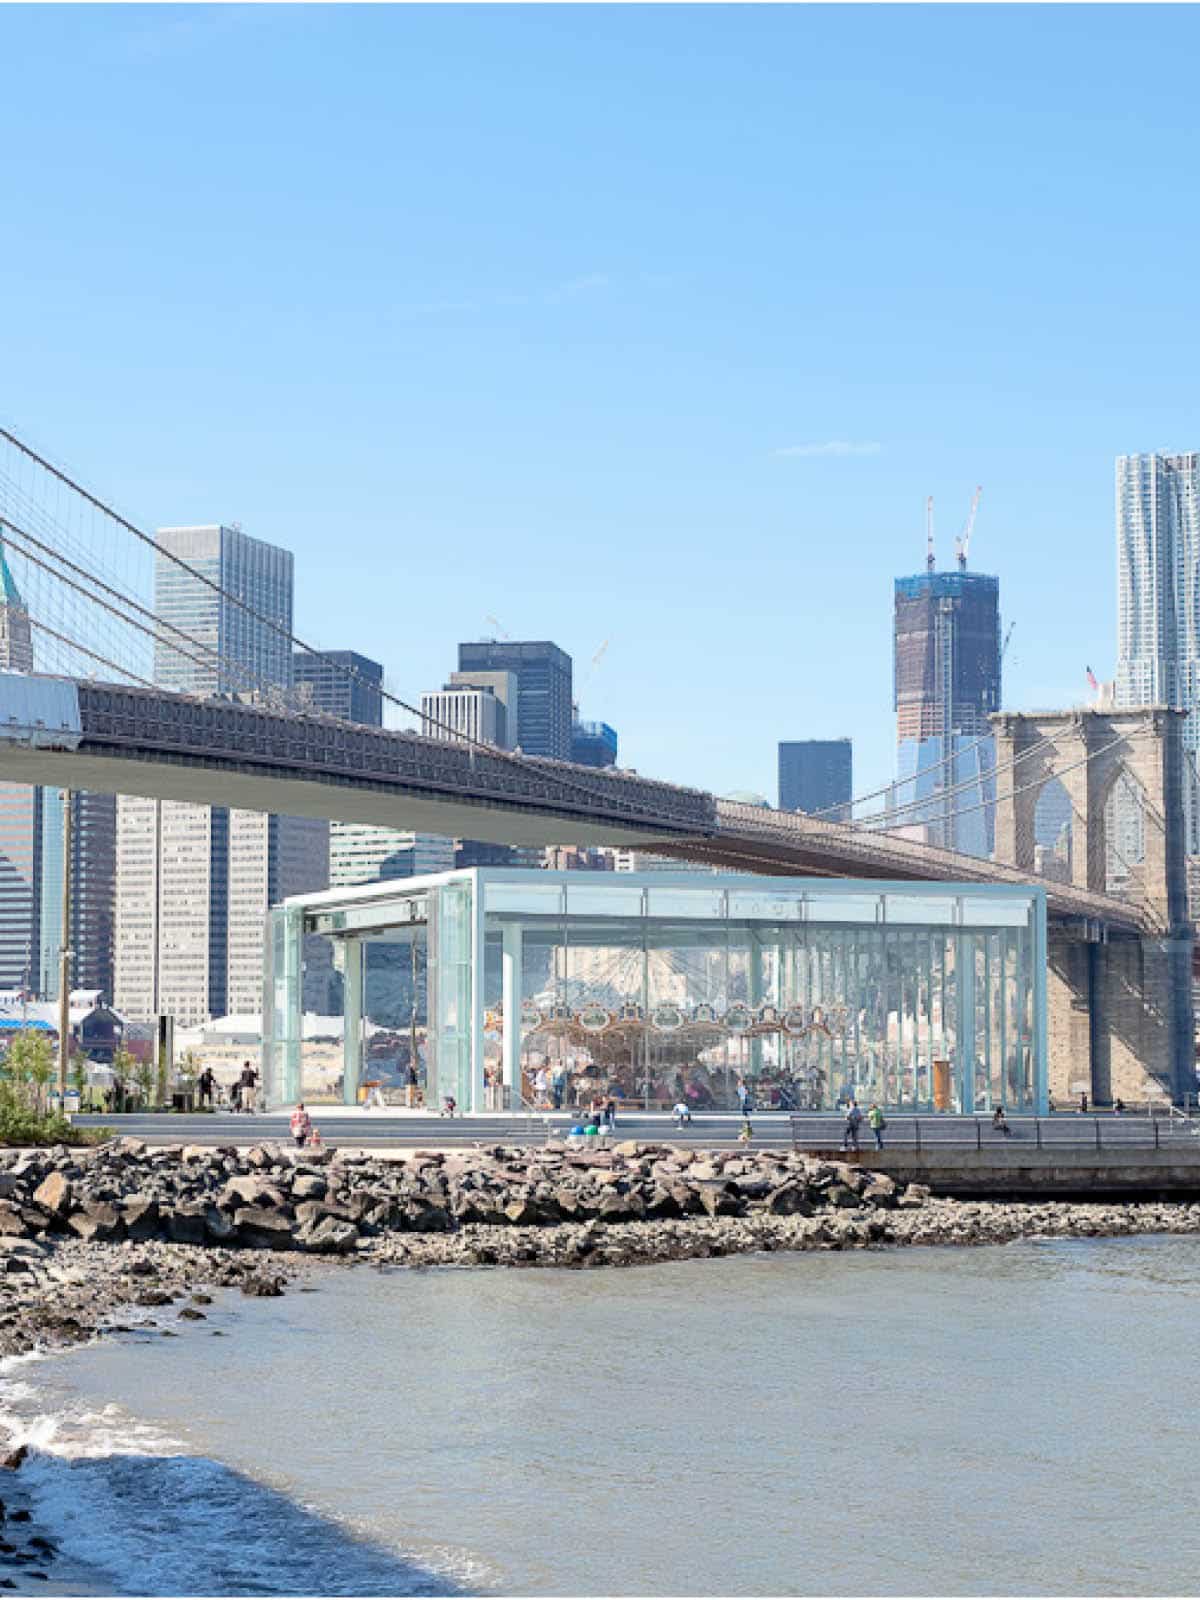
788 994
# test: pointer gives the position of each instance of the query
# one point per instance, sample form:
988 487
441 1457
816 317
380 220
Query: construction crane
503 632
962 544
589 675
929 561
1004 646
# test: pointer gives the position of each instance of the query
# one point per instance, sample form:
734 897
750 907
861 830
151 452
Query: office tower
543 674
20 817
194 882
593 744
172 911
1158 619
248 624
947 684
341 683
31 856
362 854
474 713
816 775
93 891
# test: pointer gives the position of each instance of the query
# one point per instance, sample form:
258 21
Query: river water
1011 1420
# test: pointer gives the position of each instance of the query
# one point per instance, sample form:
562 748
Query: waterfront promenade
1060 1157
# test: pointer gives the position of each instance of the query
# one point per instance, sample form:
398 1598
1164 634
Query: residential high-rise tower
1158 602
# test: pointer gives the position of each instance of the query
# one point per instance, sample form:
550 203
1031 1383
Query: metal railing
1060 1133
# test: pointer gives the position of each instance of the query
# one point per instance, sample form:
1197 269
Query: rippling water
1002 1421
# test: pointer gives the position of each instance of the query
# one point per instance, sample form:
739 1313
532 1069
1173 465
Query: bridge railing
1064 1133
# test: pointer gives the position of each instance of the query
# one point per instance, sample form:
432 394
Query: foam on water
131 1504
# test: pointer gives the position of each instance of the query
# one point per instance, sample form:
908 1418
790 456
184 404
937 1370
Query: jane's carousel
670 1053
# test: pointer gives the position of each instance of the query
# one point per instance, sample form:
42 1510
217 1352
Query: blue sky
654 325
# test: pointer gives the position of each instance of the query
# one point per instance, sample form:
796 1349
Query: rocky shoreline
92 1241
122 1238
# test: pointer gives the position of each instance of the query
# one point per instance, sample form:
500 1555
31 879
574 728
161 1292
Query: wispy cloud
834 447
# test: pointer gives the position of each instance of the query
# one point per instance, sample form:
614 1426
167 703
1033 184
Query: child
449 1105
682 1113
747 1132
301 1125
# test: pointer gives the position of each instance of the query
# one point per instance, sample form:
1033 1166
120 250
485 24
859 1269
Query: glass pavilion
512 987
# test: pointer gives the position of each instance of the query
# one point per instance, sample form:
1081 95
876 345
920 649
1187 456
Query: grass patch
22 1125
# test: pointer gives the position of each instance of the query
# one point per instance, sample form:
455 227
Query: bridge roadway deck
257 757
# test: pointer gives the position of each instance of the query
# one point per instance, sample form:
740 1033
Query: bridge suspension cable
543 768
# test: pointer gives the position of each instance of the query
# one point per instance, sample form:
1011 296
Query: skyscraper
31 856
816 775
1158 617
471 712
341 683
194 882
543 674
20 817
248 624
947 684
362 854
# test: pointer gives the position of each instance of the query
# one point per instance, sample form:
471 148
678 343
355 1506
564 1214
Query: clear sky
653 325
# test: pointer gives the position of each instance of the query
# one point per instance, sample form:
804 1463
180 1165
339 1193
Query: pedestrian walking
247 1084
541 1087
877 1122
681 1113
1083 1104
743 1094
853 1123
206 1085
1118 1106
558 1087
412 1083
1000 1122
301 1126
609 1115
747 1132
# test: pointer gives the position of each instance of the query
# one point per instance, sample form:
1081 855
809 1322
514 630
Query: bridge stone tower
1119 992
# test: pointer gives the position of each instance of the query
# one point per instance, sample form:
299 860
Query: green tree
32 1065
125 1066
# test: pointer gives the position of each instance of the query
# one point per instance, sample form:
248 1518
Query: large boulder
618 1207
790 1200
329 1236
263 1229
185 1223
54 1195
141 1216
309 1186
96 1220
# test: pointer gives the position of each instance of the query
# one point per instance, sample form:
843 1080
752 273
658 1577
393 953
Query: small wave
127 1500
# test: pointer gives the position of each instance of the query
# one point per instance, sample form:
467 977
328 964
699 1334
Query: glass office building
654 987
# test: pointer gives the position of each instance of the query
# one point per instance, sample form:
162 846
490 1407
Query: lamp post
64 957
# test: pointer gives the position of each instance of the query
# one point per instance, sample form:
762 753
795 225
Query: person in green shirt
877 1123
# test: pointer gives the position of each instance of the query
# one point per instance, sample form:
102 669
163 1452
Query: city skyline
716 387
